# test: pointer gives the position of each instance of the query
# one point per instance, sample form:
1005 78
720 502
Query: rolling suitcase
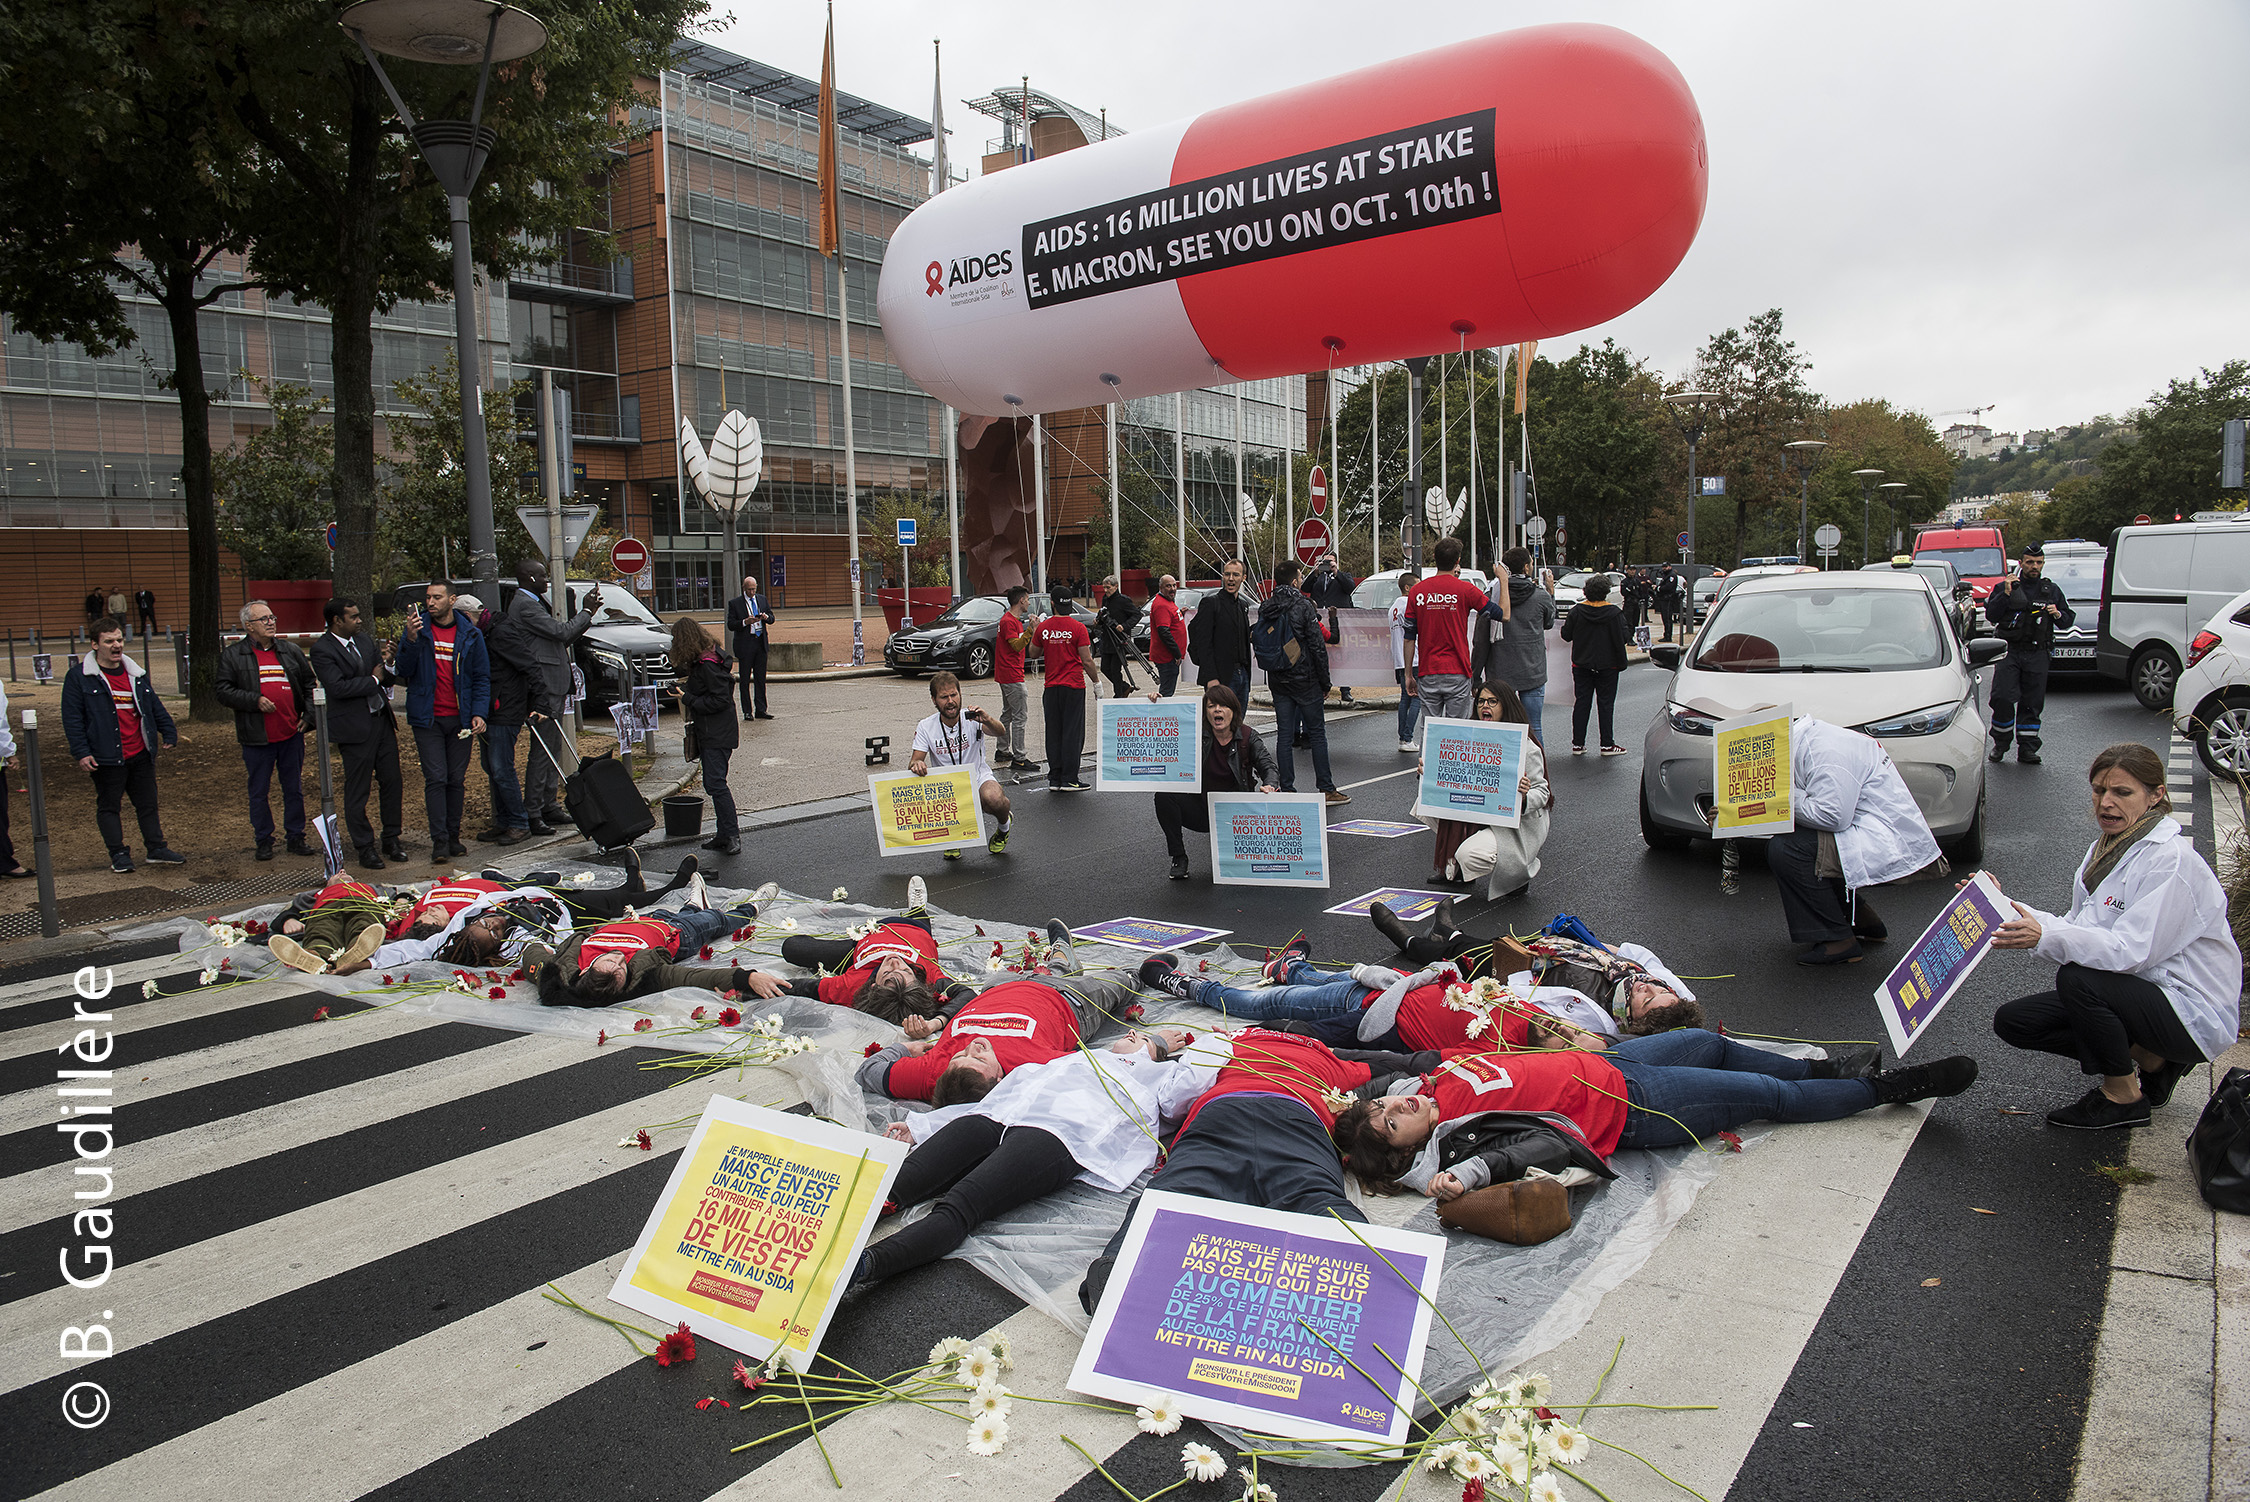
602 801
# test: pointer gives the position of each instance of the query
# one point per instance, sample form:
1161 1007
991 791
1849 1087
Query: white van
2164 583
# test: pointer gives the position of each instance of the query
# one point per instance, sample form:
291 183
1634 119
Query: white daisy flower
1473 1465
1257 1491
1477 1026
583 879
148 989
978 1367
1485 1387
1564 1445
1512 1432
987 1436
1470 1421
1202 1463
952 1348
1003 1352
1159 1415
210 974
1537 1388
1513 1464
1441 1457
990 1401
839 895
1545 1488
785 922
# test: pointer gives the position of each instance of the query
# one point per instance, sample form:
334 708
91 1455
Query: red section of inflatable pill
1598 154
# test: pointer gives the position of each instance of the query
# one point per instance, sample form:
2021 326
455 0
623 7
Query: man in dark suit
538 648
355 672
748 617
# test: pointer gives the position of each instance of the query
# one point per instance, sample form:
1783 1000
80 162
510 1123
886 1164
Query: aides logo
967 270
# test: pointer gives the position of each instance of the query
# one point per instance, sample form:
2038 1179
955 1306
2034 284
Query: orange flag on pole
1524 352
831 219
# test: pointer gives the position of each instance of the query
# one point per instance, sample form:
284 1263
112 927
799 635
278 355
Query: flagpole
832 244
940 174
1375 467
1039 580
1116 543
1179 474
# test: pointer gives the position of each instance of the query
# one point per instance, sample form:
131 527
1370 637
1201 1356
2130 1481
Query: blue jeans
1705 1084
1535 705
500 767
699 926
1310 715
1167 677
1304 995
287 759
1409 708
1241 686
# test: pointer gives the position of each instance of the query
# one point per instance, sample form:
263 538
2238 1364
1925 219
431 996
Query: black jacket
2018 613
1597 636
89 715
356 703
1307 677
1113 629
1511 1143
237 685
1247 759
709 696
739 616
1330 589
1219 636
530 645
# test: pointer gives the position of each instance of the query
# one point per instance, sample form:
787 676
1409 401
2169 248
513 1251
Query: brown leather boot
1522 1213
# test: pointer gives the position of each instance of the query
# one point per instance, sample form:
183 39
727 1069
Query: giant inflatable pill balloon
1518 186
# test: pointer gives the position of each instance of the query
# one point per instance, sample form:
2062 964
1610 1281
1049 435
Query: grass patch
2122 1174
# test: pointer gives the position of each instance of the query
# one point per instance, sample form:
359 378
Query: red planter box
930 601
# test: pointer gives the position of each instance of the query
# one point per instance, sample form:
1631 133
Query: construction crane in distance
1970 412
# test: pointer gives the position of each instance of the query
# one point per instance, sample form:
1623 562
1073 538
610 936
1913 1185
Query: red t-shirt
1060 637
1025 1021
1584 1087
343 889
445 899
273 685
1165 616
1425 1021
630 936
904 940
442 639
1007 656
1282 1064
128 715
1439 609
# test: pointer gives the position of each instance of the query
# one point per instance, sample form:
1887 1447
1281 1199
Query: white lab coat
2161 915
1509 857
1110 1121
1844 784
1398 634
414 951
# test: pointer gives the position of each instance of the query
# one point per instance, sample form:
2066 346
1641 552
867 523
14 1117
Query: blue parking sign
906 531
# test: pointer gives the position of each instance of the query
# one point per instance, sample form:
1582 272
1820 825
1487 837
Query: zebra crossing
2179 779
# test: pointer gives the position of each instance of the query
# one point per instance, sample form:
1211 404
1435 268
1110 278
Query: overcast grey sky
2040 206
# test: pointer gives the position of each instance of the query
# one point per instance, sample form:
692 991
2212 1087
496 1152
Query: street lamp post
455 31
1867 479
1687 411
1892 490
1804 457
1898 534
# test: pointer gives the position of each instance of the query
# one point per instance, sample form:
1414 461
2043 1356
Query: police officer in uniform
2024 612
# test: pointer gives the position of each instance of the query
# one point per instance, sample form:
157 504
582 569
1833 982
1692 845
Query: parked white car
2212 702
2163 582
1870 652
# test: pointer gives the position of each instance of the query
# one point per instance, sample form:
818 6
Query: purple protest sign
1940 961
1152 934
1278 1323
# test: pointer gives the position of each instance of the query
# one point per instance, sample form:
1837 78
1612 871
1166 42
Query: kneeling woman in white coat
1846 788
1510 857
2150 978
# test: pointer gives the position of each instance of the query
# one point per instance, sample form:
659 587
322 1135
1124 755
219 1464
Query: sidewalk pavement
2168 1416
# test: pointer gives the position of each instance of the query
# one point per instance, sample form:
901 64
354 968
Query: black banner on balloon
1408 179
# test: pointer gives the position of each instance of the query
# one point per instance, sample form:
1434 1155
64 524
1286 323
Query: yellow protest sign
936 812
759 1228
1750 789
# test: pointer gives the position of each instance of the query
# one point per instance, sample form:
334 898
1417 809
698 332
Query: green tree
1597 447
272 491
2169 466
1872 434
878 544
114 181
351 217
424 523
1763 403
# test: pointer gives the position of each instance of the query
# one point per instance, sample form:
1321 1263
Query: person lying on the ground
1092 1115
343 921
1603 975
960 1055
501 927
1259 1135
1439 1006
435 910
638 956
1663 1091
892 973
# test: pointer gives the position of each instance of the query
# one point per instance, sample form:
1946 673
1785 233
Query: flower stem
1652 1465
817 1440
1101 1469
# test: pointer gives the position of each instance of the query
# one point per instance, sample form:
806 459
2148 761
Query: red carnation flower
498 993
386 977
696 1015
225 964
601 1037
749 1379
321 1015
644 1024
1135 1012
980 930
517 974
745 933
705 953
1546 1415
1472 1490
729 1017
678 1346
998 949
646 1143
1202 967
703 1403
492 976
871 1050
1732 1140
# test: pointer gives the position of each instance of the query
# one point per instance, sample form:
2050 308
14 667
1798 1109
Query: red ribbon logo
934 275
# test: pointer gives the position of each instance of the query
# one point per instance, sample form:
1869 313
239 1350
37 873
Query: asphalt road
1974 1389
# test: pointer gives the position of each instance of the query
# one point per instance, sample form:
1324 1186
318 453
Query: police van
2164 582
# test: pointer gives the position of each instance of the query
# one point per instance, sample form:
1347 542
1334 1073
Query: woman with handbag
2150 977
706 674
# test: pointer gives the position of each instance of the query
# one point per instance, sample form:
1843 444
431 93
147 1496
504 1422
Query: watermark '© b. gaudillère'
87 1260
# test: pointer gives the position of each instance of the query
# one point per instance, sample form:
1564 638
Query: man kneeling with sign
954 737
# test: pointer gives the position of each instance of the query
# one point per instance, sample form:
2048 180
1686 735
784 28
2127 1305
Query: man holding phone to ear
448 676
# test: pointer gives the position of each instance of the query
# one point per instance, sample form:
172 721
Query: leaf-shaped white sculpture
698 463
738 459
1441 514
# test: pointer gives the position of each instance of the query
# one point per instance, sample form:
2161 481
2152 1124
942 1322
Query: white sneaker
1408 746
766 893
696 895
917 894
